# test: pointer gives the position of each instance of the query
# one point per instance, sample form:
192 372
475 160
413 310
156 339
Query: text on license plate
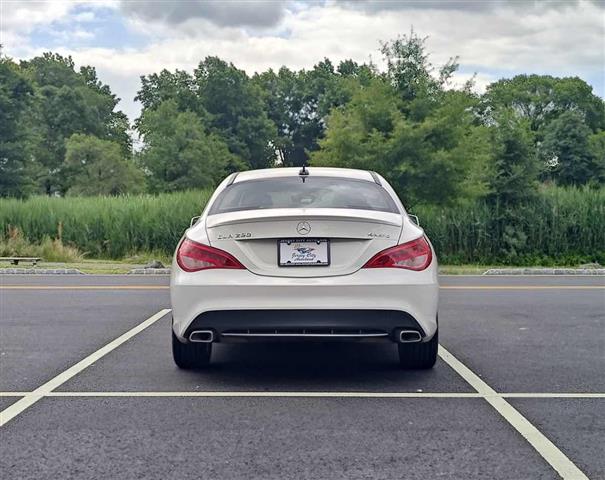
294 252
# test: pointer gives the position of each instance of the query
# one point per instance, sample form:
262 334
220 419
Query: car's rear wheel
421 355
191 355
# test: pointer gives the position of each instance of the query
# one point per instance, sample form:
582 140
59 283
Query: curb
149 271
545 271
40 271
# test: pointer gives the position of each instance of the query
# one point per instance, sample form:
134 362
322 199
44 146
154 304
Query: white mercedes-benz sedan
290 254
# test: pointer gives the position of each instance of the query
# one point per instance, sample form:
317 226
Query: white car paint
355 236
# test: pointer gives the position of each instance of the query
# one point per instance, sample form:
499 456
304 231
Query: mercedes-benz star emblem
303 228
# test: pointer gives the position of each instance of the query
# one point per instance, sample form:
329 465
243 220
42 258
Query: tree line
61 134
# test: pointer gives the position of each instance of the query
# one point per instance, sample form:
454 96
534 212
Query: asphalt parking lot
88 389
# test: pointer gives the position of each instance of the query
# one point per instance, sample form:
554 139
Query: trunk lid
253 237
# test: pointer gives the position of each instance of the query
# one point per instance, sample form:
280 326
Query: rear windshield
315 192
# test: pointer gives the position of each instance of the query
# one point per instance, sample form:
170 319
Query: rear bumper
316 325
372 300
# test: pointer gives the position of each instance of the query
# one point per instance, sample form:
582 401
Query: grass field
561 227
564 226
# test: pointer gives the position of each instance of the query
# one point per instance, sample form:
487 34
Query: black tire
189 356
421 355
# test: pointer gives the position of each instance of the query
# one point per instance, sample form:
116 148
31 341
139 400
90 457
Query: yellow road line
84 287
165 287
522 287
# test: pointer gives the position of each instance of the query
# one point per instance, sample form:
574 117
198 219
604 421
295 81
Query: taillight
192 257
414 255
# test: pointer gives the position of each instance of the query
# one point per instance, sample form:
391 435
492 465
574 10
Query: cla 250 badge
379 235
230 236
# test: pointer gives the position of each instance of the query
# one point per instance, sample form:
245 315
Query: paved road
132 414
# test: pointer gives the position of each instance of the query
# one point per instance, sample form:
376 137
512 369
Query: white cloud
260 13
23 16
18 19
88 16
567 40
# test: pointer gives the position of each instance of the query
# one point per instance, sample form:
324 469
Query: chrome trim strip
313 335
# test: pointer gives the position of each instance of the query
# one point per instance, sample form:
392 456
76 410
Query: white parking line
254 394
553 395
20 405
555 457
227 394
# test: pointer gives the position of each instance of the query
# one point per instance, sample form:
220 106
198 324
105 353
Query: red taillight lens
414 255
192 257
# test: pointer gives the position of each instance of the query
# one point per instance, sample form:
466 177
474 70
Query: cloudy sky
126 39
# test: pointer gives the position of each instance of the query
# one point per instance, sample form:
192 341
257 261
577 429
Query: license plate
297 252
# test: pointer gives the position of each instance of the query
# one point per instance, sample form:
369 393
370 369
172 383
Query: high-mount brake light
193 257
415 255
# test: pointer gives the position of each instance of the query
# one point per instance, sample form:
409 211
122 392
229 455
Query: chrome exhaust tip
409 336
201 336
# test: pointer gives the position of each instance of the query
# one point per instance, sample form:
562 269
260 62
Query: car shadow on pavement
315 365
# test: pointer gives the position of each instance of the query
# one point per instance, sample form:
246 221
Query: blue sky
86 27
126 39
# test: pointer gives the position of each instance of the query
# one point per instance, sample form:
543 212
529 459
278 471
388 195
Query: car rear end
327 255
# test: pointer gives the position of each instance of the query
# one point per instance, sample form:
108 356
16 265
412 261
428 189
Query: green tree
98 167
513 182
114 123
179 153
444 158
426 140
280 93
237 111
567 143
69 102
298 103
272 116
358 135
363 72
561 114
542 98
178 86
16 98
597 150
441 159
514 170
411 73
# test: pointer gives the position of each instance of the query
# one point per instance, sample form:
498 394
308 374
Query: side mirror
194 221
414 219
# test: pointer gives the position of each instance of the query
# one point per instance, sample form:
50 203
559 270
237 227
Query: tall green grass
106 227
51 250
562 226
